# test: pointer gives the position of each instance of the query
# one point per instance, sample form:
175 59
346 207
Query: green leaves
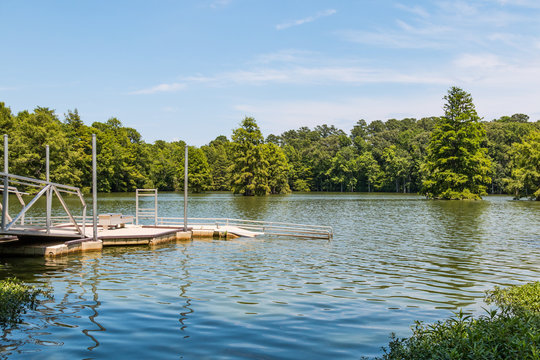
16 298
525 176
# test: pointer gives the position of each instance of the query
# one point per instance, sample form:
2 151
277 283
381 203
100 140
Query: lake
394 259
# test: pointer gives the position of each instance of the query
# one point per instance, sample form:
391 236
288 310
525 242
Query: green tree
344 169
278 169
198 169
249 167
456 165
167 165
396 166
370 170
525 179
218 155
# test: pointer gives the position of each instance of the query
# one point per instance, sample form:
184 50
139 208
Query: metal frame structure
19 194
46 188
146 213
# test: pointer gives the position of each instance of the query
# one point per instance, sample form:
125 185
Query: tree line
387 156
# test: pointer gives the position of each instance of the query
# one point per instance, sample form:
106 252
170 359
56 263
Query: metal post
185 187
94 186
6 184
49 199
155 207
136 206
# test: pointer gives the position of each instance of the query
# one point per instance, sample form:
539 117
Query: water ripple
394 259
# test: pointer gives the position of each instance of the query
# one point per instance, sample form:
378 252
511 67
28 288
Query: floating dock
30 242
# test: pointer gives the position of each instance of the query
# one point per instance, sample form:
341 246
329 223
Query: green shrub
15 298
513 332
516 299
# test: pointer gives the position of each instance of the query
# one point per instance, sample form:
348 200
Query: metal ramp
252 228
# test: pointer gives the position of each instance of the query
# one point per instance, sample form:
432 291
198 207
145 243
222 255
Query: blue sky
191 70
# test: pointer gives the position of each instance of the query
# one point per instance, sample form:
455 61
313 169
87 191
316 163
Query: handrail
41 182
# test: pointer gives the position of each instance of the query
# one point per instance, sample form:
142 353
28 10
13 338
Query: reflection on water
90 271
394 259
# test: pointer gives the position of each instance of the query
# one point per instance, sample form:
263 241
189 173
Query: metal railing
267 227
19 194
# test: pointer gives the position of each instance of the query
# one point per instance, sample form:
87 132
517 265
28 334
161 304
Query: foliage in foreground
512 332
16 298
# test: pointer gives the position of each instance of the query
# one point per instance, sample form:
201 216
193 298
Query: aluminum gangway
270 228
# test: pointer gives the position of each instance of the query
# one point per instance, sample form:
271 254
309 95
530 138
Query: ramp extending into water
256 227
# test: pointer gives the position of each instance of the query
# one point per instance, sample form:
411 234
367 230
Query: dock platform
31 243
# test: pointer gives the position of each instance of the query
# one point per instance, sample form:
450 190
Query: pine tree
456 165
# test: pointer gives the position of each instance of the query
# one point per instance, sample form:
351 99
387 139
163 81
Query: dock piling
94 187
185 188
6 184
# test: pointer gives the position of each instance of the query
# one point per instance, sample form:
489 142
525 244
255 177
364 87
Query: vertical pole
94 186
6 184
155 207
185 187
136 206
49 199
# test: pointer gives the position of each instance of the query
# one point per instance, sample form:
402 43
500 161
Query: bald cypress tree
457 166
249 167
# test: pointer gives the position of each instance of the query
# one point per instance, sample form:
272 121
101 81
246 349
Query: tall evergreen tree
250 167
456 165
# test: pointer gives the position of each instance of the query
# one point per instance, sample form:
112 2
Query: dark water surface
394 259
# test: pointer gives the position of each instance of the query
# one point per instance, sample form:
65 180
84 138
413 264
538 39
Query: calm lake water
394 259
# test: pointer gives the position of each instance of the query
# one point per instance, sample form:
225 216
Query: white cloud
170 109
478 61
306 20
391 39
278 116
352 75
523 3
450 26
219 3
159 88
417 10
286 56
